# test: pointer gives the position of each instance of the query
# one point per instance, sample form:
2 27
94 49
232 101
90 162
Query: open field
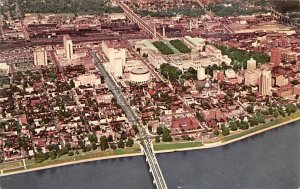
176 145
11 165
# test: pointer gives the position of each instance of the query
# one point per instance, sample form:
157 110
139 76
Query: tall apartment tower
276 56
68 44
251 64
265 84
40 57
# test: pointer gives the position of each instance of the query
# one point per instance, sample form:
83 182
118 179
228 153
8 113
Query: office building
68 45
265 84
40 57
276 56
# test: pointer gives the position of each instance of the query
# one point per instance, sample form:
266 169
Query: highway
134 120
142 24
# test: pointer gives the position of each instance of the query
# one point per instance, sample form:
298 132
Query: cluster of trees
191 73
56 152
187 137
240 57
170 72
260 116
179 45
163 48
165 133
236 9
67 6
209 70
174 11
225 131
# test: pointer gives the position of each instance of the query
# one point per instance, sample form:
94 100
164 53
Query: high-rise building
265 84
251 64
40 57
276 56
68 45
116 56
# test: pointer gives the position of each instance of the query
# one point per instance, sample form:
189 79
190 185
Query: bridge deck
134 120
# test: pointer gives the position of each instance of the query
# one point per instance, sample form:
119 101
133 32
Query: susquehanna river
267 161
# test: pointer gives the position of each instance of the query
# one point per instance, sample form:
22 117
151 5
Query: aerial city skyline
87 80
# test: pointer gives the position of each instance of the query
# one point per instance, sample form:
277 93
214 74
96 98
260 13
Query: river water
267 161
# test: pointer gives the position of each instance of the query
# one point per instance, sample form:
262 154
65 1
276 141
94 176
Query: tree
166 137
159 130
68 146
40 157
54 147
110 138
216 132
92 138
103 143
225 131
123 135
94 146
233 126
52 154
150 128
71 154
129 142
88 148
62 151
250 109
72 84
157 139
121 144
276 114
113 146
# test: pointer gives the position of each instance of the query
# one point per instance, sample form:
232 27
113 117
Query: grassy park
163 48
175 145
180 46
30 163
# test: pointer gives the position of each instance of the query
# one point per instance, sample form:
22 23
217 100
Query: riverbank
241 135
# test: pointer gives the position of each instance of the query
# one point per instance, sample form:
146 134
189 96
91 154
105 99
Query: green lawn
81 156
13 170
163 48
179 45
11 165
175 145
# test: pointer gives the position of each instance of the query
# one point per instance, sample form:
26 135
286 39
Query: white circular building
139 75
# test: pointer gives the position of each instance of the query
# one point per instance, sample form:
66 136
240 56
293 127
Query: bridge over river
158 178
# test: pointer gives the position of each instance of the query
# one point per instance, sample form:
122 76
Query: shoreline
205 146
